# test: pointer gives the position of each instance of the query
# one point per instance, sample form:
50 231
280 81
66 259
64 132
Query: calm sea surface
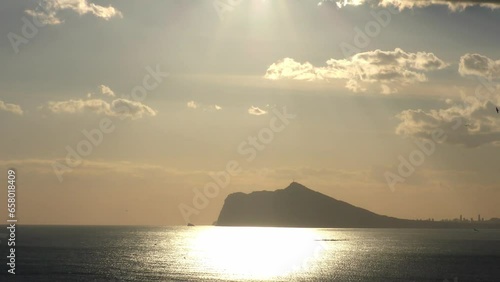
252 254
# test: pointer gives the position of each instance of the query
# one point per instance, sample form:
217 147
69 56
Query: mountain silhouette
299 206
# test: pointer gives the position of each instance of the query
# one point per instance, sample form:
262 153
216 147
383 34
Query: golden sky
120 113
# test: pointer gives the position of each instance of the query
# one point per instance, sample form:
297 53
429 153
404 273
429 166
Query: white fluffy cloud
289 68
122 108
47 10
479 65
256 111
453 5
12 108
388 69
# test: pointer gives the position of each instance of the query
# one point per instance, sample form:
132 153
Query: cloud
256 111
210 108
342 3
78 106
479 65
47 10
192 105
105 90
453 5
388 69
122 108
289 68
131 109
12 108
472 123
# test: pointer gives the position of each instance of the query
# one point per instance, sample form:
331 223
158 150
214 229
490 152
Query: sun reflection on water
256 252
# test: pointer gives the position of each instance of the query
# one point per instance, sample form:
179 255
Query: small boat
190 224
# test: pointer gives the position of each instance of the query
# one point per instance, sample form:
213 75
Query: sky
127 113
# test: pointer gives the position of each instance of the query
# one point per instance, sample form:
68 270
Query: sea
210 253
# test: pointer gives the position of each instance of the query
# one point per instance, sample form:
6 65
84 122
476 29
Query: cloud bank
474 121
453 5
389 70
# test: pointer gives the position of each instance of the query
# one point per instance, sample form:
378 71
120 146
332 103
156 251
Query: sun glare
256 253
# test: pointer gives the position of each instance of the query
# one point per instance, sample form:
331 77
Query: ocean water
50 253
